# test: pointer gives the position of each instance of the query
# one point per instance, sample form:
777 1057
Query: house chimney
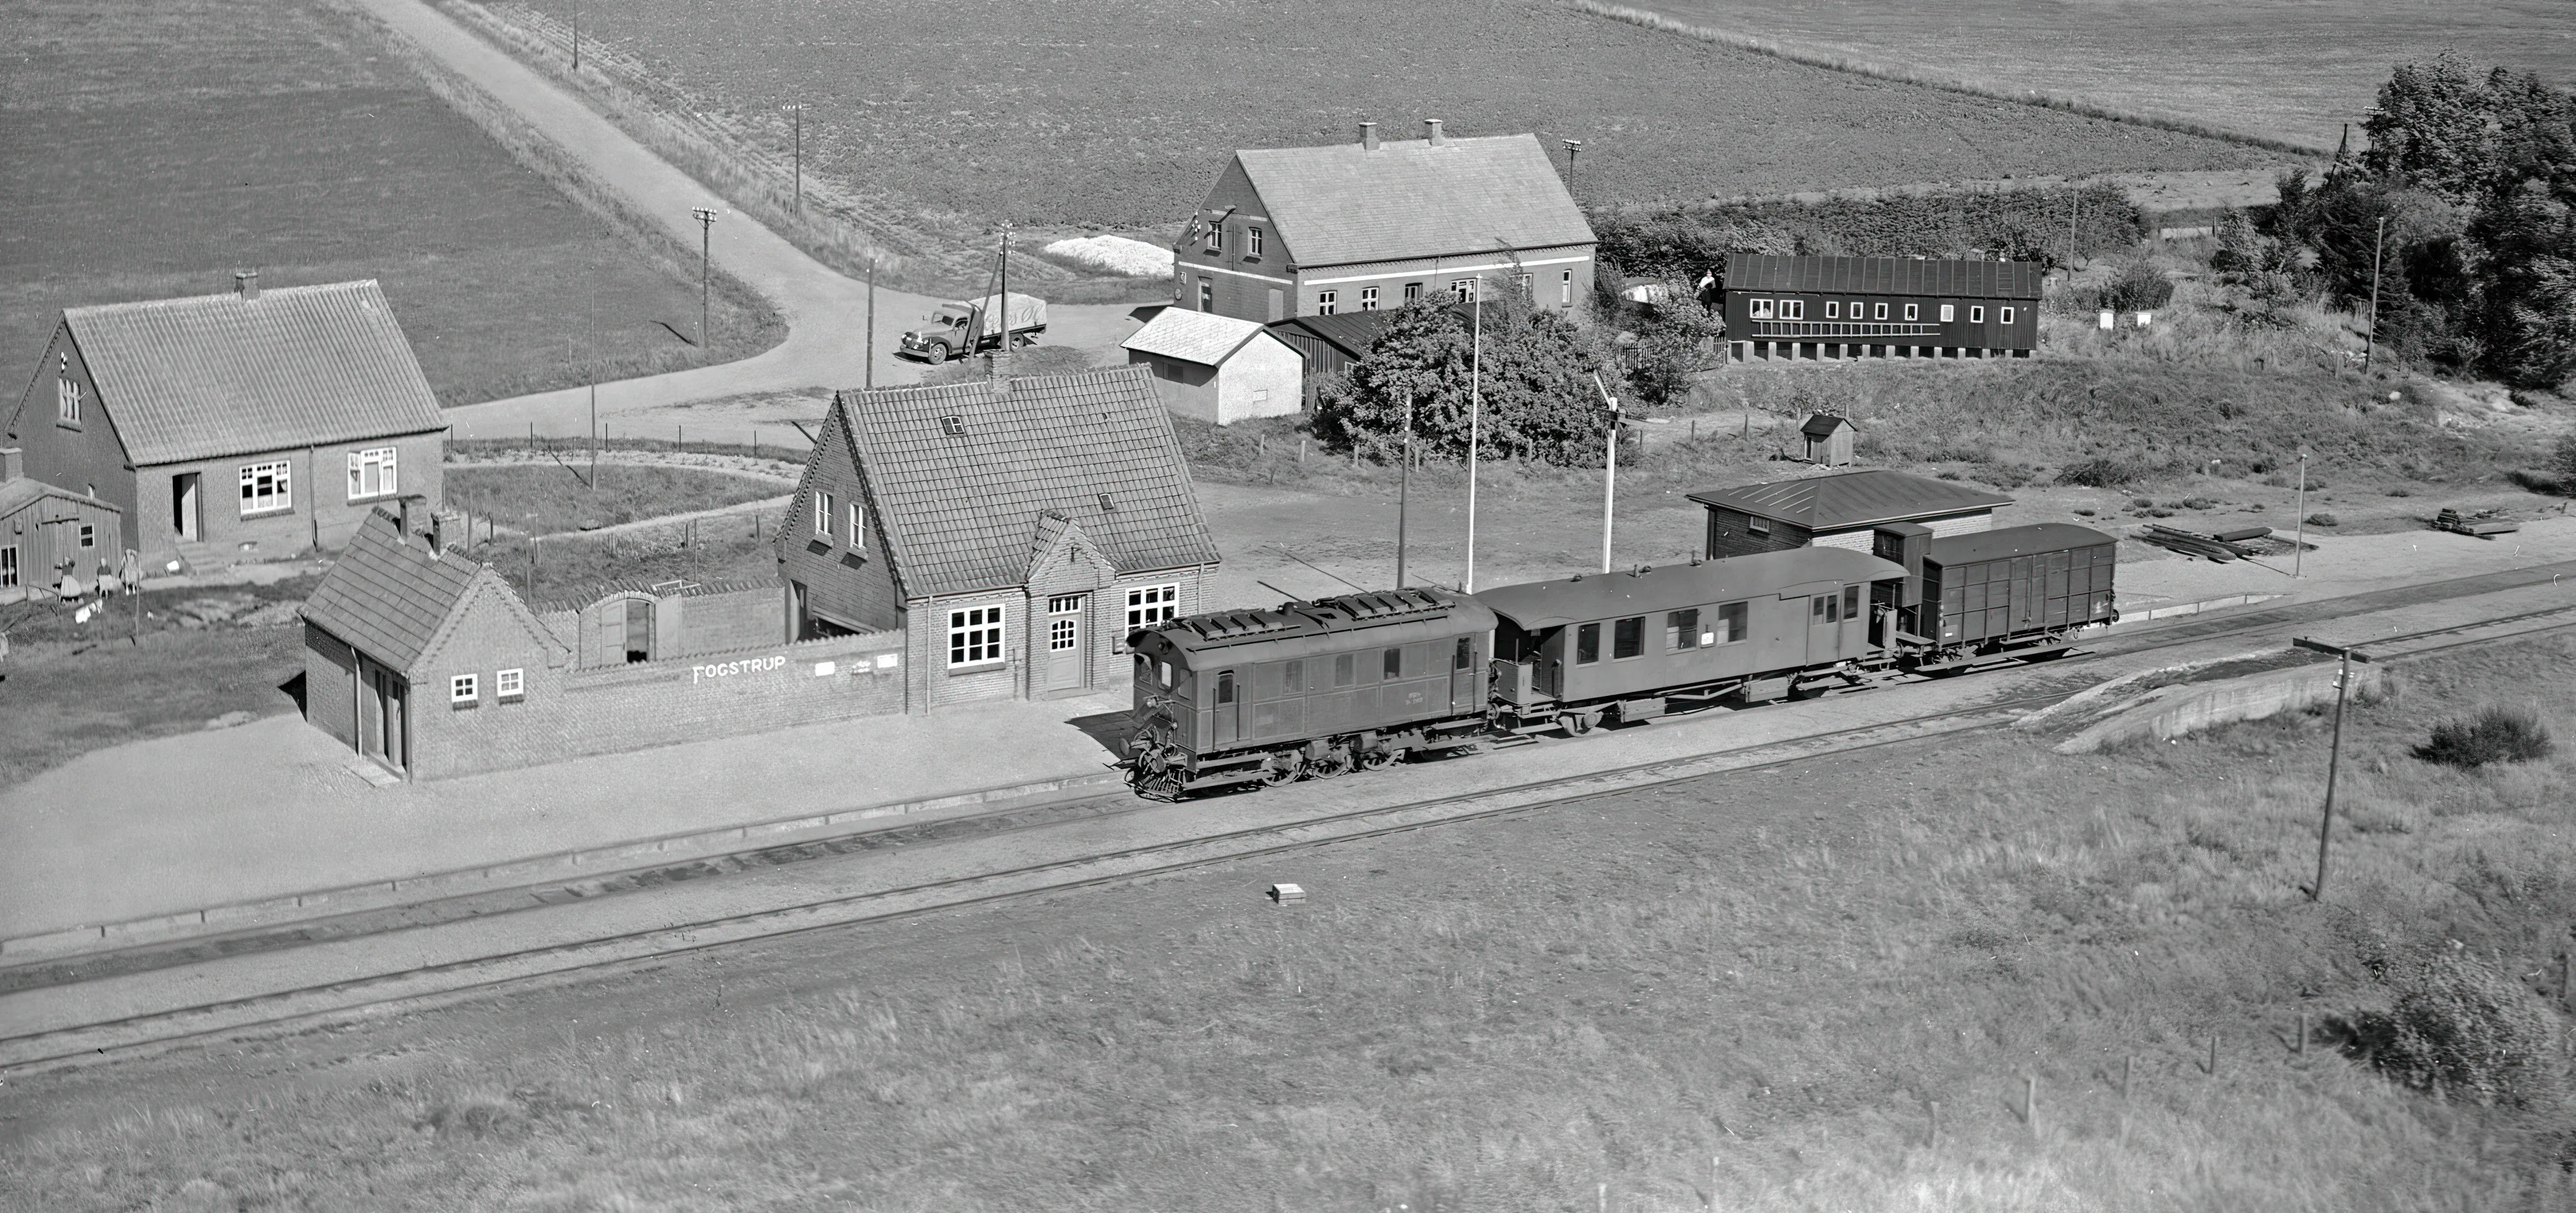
437 533
246 284
13 464
1431 131
403 525
1368 136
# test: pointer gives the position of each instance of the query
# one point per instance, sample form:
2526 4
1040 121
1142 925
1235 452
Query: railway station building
1014 531
1839 509
234 427
1802 308
1378 223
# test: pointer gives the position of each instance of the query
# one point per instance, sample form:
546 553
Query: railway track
432 985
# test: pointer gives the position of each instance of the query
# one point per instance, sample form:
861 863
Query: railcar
1310 690
1579 651
2024 592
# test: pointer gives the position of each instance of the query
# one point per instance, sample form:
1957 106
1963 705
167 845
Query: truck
962 327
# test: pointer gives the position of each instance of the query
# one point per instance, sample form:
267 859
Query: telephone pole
1404 493
1609 468
706 237
2334 759
797 114
871 372
2370 339
1573 147
576 35
1475 434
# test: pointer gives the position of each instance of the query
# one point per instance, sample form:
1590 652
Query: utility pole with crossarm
706 237
2334 759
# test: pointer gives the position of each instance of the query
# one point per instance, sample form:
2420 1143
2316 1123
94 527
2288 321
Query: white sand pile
1116 254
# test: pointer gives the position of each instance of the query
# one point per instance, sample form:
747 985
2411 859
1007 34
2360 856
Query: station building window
975 636
1324 302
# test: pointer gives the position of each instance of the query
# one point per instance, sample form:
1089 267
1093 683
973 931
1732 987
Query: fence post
2030 1103
1933 1142
2213 1055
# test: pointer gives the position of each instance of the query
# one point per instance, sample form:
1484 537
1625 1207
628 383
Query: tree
1672 348
1539 402
2432 129
2526 306
2241 249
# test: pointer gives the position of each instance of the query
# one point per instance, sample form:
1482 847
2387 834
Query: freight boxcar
1632 646
2024 591
1312 689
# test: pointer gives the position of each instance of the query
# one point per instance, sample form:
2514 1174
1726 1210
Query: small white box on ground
1288 894
2108 319
825 669
887 661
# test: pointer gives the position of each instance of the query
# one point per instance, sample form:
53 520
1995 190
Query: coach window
1292 678
1628 638
1681 630
1851 602
1820 609
1587 644
1395 663
1225 687
1345 670
1833 310
1758 309
1731 623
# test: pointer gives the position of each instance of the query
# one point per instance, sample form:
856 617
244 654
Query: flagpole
1475 432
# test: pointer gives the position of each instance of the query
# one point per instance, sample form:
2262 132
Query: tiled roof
1851 499
1884 276
1201 337
1343 204
18 494
387 597
220 375
962 512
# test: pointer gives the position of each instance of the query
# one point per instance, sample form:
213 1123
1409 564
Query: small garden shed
1217 368
1829 439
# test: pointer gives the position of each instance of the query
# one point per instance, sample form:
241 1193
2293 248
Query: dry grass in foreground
1734 996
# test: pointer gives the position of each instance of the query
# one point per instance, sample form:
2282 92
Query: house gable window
974 636
266 488
461 689
510 684
371 473
1215 238
858 524
823 514
1252 243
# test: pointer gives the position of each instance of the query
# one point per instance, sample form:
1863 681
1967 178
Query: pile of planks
2485 524
2225 545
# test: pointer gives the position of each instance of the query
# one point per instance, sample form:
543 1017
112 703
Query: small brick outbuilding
1839 509
1217 368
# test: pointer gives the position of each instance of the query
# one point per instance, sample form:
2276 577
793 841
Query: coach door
1064 642
1229 708
1825 628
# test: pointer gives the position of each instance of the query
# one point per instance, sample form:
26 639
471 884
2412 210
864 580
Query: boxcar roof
1884 276
1325 625
1546 604
2014 541
1851 499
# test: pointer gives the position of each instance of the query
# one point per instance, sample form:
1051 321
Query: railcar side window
1820 609
1681 630
1731 622
1225 687
1345 670
1628 638
1466 655
1851 602
1292 677
1395 663
1587 644
1167 675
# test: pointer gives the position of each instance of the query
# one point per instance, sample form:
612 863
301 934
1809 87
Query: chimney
1431 131
437 534
246 284
1368 136
13 464
403 504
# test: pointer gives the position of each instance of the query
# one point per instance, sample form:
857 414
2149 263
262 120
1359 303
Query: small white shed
1217 368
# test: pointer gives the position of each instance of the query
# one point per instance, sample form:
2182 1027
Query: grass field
547 498
2293 70
285 135
1737 995
1119 116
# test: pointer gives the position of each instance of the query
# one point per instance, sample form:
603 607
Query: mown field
2293 70
1736 994
1120 115
183 141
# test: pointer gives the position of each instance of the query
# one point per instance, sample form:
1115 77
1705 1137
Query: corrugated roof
387 597
1342 204
2012 541
18 494
1593 596
1201 337
1884 276
1851 499
962 513
1350 332
220 375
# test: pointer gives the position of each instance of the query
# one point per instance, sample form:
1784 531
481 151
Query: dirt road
826 313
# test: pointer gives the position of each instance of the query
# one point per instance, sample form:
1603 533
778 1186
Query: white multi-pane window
1412 291
2006 317
1368 299
1793 309
1758 309
1949 312
1565 288
8 566
1324 302
858 524
371 473
1463 290
88 536
510 684
1976 315
1913 312
67 400
461 689
266 488
823 514
1215 239
1833 310
975 636
1152 604
1252 242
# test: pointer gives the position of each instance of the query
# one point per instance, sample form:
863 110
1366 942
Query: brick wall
330 686
321 509
683 624
1731 534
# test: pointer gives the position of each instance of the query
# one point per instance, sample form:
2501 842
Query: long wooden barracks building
1879 307
1355 227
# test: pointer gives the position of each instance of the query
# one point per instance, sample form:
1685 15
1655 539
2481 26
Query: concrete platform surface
274 808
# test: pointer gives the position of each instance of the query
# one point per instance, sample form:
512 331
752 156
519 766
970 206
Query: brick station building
1839 509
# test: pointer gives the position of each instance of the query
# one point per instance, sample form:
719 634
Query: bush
2497 735
2139 288
2107 472
2321 518
2562 463
2467 1030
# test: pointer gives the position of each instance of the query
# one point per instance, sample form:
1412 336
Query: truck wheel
935 355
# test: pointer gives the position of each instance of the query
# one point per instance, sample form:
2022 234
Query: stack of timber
2485 524
2225 545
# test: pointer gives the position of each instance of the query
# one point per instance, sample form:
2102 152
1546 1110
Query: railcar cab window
1346 670
1465 656
1628 638
1851 602
1822 609
1225 687
1292 678
1395 663
1731 623
1681 630
1587 644
1758 309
